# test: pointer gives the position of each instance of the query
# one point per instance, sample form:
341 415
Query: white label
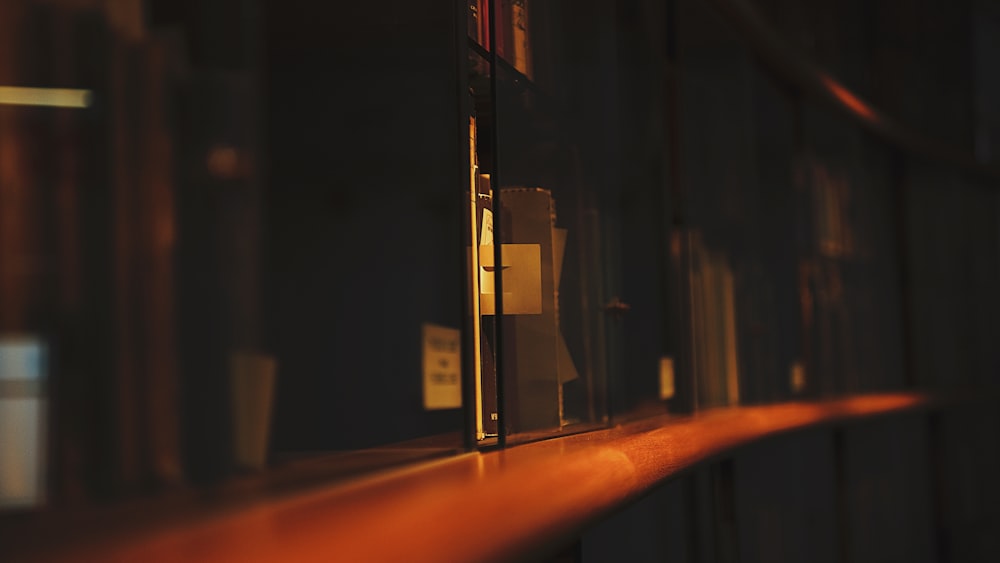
486 236
666 377
442 367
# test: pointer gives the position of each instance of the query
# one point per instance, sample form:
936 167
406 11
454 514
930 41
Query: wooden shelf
478 506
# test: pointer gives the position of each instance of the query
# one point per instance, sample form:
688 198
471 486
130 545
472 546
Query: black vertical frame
676 272
470 405
900 204
464 103
496 181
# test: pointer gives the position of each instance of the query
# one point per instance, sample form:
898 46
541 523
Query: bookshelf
313 257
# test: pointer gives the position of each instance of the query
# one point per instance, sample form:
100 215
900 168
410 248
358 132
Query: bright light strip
49 97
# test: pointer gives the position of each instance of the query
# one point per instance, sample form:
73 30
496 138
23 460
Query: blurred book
520 37
713 318
23 403
512 28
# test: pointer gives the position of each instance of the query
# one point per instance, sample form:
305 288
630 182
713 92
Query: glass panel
737 150
952 259
849 273
644 338
553 168
365 211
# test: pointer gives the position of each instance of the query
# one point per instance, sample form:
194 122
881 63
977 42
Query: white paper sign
442 367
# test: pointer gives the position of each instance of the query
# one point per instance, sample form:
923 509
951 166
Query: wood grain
489 506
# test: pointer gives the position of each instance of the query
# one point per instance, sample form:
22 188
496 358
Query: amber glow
224 162
848 98
436 509
50 97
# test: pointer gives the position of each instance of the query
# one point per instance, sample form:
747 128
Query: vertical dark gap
676 312
95 414
936 456
971 61
842 494
900 203
724 493
615 383
464 103
802 229
690 496
572 553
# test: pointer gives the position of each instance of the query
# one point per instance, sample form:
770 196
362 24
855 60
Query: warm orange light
223 162
848 98
435 511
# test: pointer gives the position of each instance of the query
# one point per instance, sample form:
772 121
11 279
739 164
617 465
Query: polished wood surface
487 506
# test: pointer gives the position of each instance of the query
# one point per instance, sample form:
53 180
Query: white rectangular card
442 367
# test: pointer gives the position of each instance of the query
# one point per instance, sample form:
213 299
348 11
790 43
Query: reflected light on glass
47 97
848 98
